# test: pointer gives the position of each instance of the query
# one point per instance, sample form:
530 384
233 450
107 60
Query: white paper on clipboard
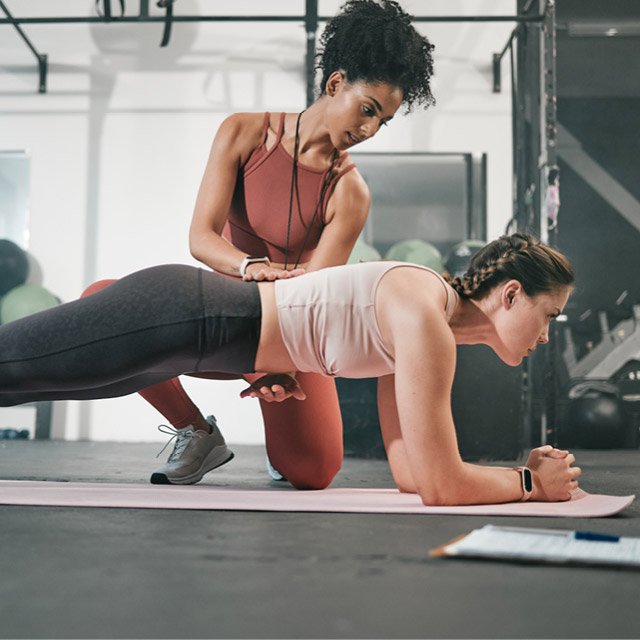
544 545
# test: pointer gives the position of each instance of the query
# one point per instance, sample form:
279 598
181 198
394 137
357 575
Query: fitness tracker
252 260
527 482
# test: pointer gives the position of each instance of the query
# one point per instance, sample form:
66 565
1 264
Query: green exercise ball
416 251
458 259
362 252
24 300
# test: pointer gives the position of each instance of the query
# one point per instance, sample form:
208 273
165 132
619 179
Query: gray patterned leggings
143 329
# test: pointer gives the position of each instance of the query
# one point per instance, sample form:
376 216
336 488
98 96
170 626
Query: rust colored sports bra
259 212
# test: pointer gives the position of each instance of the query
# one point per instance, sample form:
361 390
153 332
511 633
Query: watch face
527 479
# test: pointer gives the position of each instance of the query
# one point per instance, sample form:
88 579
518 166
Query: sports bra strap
265 127
343 171
280 130
340 159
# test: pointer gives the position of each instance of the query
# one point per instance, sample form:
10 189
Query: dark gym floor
127 573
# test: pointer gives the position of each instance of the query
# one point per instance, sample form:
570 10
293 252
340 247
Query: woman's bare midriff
272 355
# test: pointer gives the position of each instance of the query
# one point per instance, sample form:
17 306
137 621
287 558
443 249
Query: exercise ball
363 252
416 251
458 259
595 418
24 300
14 266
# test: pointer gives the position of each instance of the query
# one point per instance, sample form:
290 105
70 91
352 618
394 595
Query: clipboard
554 546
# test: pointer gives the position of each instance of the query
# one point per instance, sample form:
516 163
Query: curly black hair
374 41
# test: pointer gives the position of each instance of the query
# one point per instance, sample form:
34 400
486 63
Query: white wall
119 142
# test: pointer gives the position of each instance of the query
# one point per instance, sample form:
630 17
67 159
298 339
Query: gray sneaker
195 453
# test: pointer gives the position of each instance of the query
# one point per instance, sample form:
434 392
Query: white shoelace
182 436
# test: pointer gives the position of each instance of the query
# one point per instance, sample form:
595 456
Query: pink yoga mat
143 496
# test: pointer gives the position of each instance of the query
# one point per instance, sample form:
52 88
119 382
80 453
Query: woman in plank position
396 321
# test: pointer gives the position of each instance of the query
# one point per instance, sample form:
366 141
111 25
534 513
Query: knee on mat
313 472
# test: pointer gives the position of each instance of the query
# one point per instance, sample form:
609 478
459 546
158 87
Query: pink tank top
259 212
328 319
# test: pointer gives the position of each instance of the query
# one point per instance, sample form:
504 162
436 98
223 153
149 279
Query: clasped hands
554 476
274 387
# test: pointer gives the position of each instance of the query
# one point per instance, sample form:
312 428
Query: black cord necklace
294 188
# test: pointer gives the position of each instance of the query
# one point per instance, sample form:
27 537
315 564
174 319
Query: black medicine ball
14 266
596 420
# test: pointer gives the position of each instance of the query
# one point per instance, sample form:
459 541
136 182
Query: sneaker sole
215 461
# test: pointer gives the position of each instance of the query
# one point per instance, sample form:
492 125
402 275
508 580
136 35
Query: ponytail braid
521 257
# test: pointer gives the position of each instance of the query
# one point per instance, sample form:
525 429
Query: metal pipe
40 57
310 19
253 18
509 42
497 57
311 27
16 23
497 60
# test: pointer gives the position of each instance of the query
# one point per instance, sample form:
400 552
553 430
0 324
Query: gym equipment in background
594 417
628 382
14 434
417 251
24 300
617 346
362 252
459 257
615 358
14 266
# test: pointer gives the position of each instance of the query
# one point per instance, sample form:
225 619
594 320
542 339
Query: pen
596 537
576 535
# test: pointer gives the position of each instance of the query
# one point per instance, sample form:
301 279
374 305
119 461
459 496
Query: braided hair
521 257
373 41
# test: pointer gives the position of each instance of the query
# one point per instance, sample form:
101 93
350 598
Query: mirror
14 196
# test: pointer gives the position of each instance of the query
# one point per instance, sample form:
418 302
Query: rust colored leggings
303 437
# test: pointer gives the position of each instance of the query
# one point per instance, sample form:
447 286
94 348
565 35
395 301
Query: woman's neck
472 323
314 139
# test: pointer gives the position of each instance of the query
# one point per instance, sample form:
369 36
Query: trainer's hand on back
261 272
274 387
554 476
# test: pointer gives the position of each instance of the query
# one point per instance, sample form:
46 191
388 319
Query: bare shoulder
244 123
350 198
414 287
410 300
353 178
241 132
354 182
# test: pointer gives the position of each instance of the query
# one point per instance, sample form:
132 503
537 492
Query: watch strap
526 480
252 260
